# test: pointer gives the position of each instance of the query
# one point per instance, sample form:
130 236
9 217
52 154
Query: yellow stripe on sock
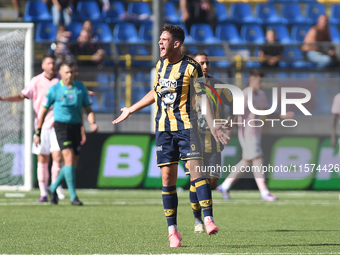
192 188
196 206
169 192
200 183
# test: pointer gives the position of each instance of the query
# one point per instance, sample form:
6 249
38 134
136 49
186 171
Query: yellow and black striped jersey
174 85
208 143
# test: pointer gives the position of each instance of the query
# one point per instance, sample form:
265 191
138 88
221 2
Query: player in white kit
36 90
250 139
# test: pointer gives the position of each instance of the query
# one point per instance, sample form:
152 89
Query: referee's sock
203 191
58 181
70 178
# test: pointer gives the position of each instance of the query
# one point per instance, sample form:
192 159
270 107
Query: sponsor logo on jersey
167 83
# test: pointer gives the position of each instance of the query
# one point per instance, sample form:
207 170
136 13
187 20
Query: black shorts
68 136
174 145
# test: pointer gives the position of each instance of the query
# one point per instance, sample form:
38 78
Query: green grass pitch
132 221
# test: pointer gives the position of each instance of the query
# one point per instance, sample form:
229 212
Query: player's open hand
123 116
220 135
93 127
36 140
289 115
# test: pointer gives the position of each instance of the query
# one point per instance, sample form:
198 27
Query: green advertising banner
328 168
154 178
123 161
293 161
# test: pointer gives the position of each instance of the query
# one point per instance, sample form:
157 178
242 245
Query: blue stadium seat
88 10
252 34
229 33
313 11
292 57
299 31
125 32
116 12
104 99
75 28
137 9
241 13
216 51
170 13
36 11
202 33
103 31
334 17
282 33
188 38
291 14
46 32
221 12
138 92
335 36
267 14
142 77
139 50
254 64
105 78
145 32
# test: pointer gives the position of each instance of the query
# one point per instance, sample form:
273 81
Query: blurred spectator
322 55
16 6
88 26
59 8
271 51
61 48
198 11
86 47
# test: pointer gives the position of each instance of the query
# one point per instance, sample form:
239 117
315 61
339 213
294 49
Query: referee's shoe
76 201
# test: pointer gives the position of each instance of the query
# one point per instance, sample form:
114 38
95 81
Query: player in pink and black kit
250 139
36 90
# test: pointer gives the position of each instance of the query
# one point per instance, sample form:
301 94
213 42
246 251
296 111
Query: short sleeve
30 89
199 80
49 98
336 104
86 97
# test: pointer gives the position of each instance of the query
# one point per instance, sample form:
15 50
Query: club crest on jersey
177 76
193 147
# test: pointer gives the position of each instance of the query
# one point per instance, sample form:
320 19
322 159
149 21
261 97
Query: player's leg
232 178
261 180
195 205
43 154
43 176
57 162
167 160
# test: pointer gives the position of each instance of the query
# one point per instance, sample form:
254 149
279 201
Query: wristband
38 132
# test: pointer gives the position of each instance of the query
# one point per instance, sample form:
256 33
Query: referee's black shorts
68 136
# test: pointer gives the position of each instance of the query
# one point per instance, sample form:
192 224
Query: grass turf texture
132 221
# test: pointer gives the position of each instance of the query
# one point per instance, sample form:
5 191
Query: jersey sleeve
86 98
30 89
336 104
199 80
49 98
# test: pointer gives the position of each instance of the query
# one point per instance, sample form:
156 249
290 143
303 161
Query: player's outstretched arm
15 98
92 119
43 111
147 100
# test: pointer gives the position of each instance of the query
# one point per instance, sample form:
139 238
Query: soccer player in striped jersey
211 149
176 126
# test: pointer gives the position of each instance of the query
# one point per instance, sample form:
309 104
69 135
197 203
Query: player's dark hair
200 53
256 73
70 64
48 55
176 32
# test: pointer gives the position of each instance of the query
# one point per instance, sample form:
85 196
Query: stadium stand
266 13
75 28
145 32
241 14
228 33
313 11
282 33
252 34
221 12
36 11
116 13
291 14
170 13
202 33
125 32
298 32
103 31
46 32
334 17
139 11
88 10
